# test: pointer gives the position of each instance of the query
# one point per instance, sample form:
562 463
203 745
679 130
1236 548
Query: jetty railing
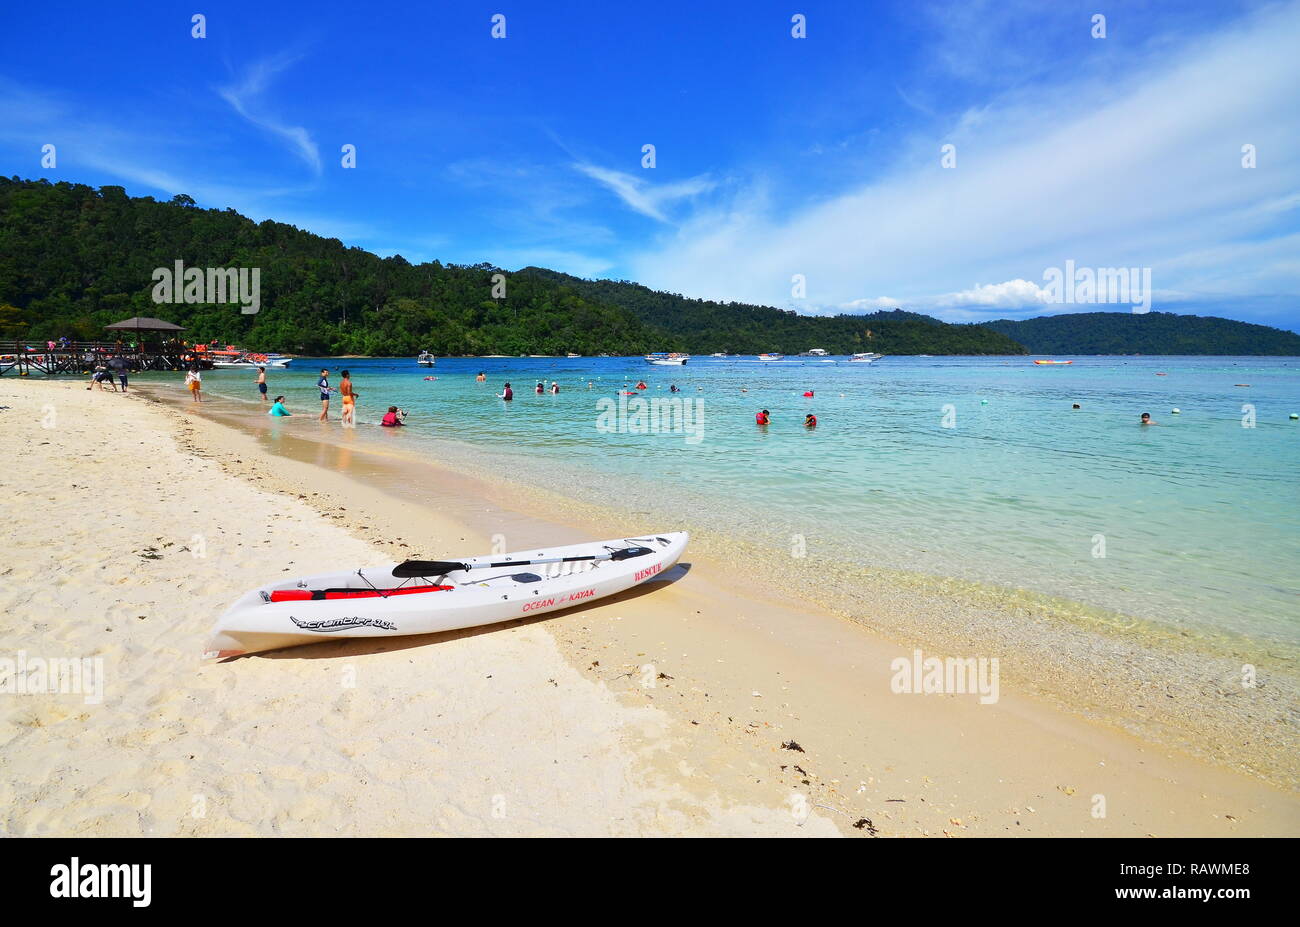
81 357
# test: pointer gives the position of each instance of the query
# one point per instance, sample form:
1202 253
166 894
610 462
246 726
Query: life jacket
811 421
760 418
808 395
390 419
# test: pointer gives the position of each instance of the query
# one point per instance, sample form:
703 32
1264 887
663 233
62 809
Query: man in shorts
261 382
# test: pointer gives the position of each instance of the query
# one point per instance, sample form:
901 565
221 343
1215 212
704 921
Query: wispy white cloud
246 97
641 195
1141 172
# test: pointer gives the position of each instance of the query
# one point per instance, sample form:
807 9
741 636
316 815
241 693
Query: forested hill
1145 333
74 258
705 326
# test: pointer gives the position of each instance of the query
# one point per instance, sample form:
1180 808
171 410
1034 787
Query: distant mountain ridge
1145 333
706 326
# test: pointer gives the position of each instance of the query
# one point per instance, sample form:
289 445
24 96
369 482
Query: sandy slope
123 546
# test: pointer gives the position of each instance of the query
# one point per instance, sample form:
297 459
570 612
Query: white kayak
423 597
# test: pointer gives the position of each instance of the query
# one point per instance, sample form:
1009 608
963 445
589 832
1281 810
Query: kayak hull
362 603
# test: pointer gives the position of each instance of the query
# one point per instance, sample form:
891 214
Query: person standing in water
349 399
261 382
810 421
762 418
541 388
555 388
194 382
323 384
482 377
508 395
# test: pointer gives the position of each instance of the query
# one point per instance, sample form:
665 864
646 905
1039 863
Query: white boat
865 357
771 357
424 597
813 352
661 359
718 355
425 359
251 363
573 355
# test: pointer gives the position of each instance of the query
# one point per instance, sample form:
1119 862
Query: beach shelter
140 324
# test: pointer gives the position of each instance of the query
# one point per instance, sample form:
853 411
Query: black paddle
414 568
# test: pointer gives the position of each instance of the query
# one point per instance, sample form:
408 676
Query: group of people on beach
114 365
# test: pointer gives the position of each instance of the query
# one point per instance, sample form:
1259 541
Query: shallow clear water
1196 517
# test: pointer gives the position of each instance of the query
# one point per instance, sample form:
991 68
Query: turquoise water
1196 517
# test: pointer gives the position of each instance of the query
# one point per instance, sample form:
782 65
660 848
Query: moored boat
771 357
425 359
662 359
865 357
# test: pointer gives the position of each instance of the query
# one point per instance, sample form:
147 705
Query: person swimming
507 395
641 385
673 389
810 420
393 418
277 408
763 418
1146 419
1076 406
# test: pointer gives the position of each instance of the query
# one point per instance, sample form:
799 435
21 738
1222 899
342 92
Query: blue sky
775 156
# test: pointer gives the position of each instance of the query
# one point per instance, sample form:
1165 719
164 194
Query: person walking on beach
261 382
119 366
323 384
763 418
277 408
349 399
194 382
508 395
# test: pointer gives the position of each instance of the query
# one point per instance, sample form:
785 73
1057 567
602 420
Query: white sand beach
132 525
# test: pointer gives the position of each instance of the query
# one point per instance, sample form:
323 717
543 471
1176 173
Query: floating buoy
1295 415
1175 411
984 402
808 394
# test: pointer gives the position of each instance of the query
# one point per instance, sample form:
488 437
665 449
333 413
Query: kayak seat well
316 595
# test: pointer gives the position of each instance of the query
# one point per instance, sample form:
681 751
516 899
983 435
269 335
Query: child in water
762 418
393 418
810 420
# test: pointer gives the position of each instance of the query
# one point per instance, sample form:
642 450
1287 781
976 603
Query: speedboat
865 357
425 359
813 352
771 357
661 359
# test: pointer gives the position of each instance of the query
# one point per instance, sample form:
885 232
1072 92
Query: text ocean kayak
423 597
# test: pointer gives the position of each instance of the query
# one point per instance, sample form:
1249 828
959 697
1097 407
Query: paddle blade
413 568
627 553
